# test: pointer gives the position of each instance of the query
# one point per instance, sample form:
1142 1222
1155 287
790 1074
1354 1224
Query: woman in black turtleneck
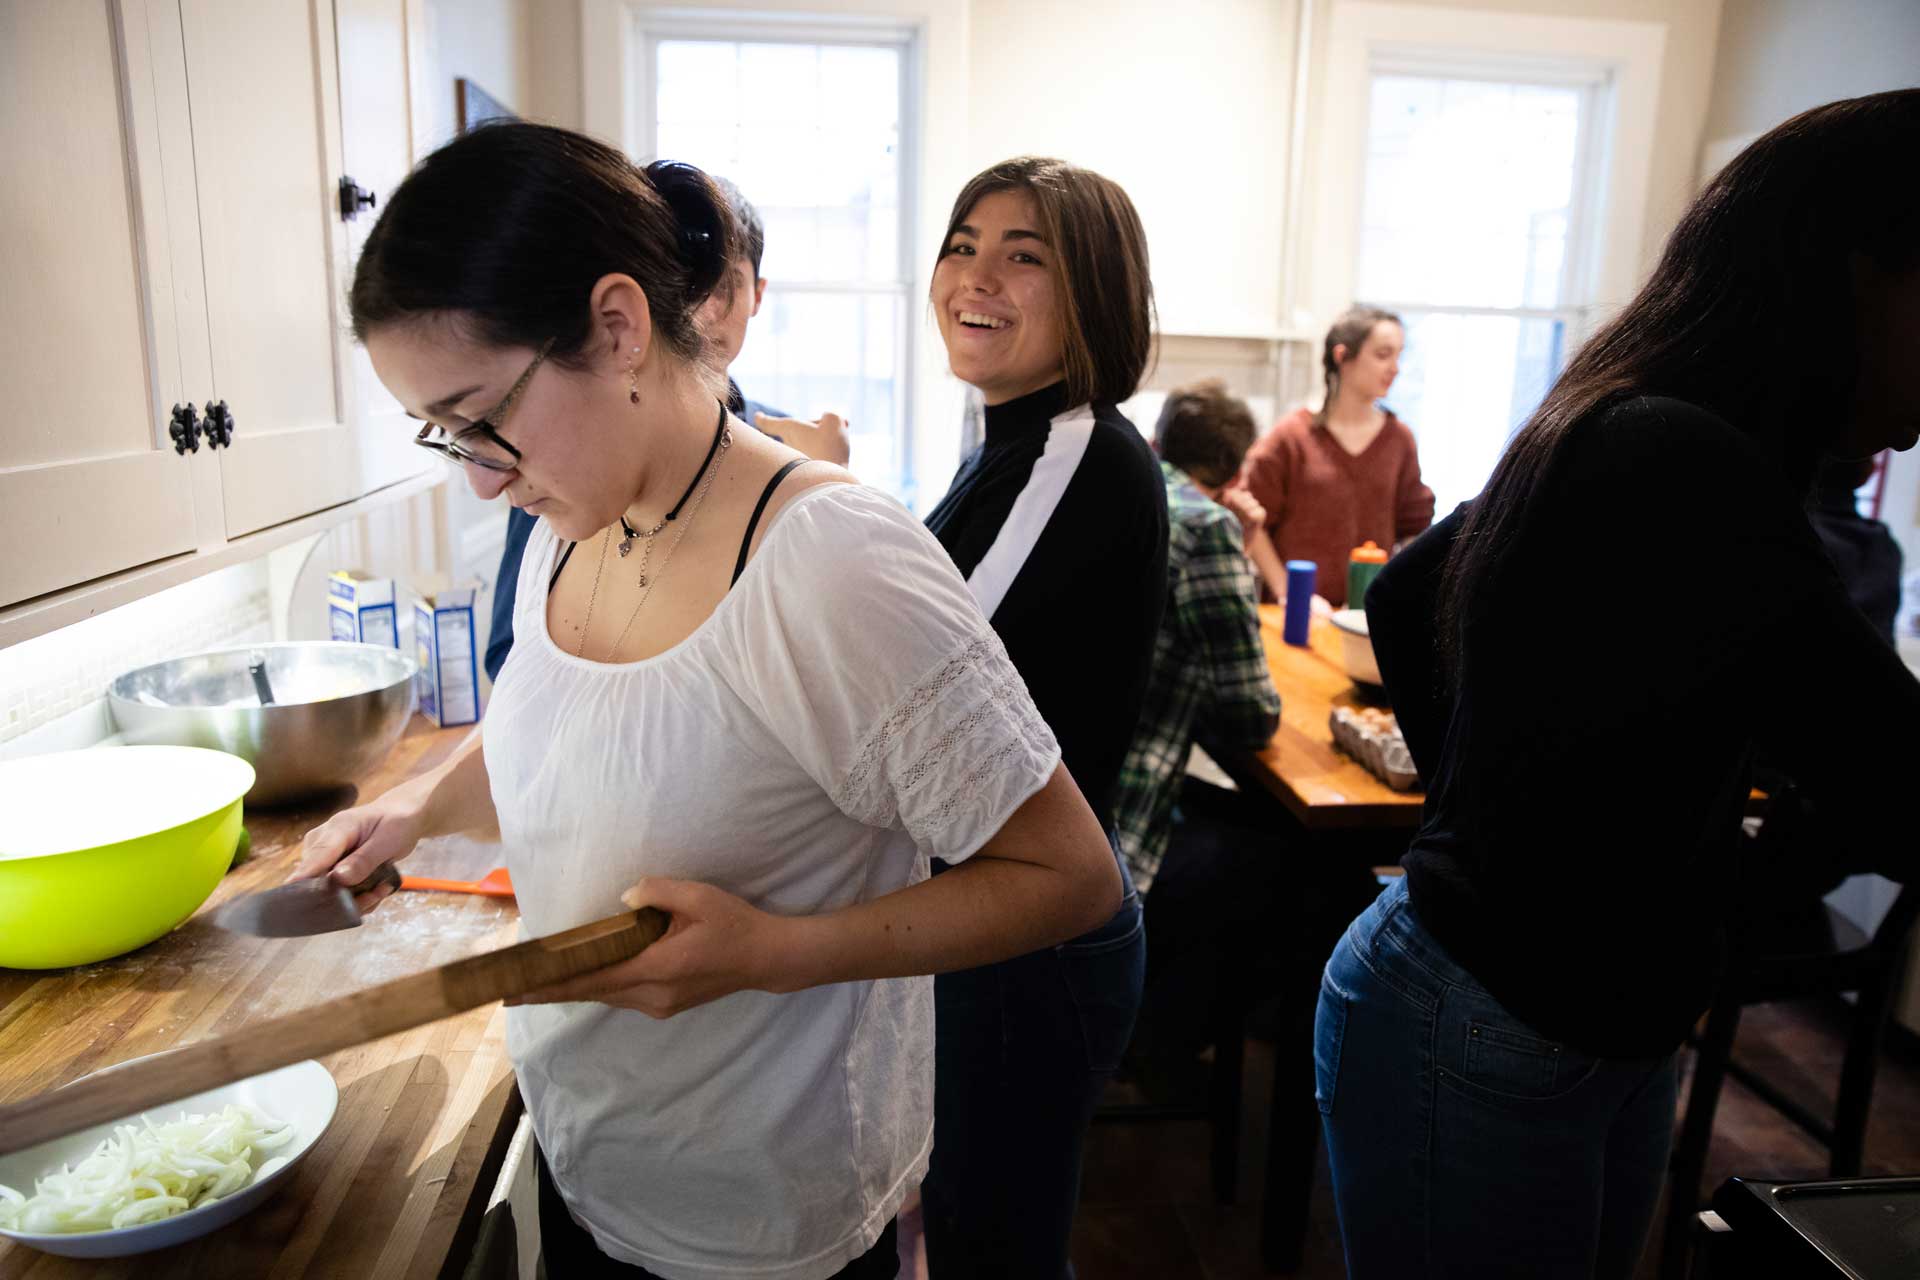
1059 524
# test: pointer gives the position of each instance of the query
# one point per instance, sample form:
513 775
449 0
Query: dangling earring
633 381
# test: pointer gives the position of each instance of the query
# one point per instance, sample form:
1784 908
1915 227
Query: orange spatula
494 884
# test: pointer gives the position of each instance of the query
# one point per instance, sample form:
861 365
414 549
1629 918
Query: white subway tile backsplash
51 676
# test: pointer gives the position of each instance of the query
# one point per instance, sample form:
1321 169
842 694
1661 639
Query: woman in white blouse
757 700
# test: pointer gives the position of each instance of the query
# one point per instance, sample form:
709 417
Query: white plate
303 1094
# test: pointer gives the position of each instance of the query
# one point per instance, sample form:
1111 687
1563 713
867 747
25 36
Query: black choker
630 533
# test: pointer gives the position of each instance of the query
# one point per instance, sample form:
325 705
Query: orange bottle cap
1368 553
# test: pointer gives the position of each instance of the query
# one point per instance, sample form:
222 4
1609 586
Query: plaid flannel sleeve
1217 602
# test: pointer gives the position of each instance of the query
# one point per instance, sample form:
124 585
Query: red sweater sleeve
1266 473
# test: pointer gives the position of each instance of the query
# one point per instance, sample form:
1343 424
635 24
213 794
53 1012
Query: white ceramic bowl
1356 646
303 1094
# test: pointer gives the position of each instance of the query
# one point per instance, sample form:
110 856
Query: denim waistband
1391 929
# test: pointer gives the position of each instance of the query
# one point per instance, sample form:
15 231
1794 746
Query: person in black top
1058 521
1861 548
1584 661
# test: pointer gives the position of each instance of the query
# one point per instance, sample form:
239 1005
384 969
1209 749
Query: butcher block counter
396 1186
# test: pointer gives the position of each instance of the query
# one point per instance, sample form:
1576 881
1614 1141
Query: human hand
352 844
1253 516
826 440
717 944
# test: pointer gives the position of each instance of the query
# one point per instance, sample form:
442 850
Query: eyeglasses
479 443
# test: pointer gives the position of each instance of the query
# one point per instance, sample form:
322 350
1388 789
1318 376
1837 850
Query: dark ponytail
706 223
508 228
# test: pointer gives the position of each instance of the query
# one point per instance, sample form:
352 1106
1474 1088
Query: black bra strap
564 557
753 521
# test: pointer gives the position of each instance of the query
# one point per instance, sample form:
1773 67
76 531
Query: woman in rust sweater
1349 474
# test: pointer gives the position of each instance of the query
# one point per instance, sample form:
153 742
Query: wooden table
396 1185
1321 786
1337 821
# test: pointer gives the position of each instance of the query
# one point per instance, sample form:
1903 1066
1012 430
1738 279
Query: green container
1362 568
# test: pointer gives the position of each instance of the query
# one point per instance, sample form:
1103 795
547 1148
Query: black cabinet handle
353 198
219 425
184 427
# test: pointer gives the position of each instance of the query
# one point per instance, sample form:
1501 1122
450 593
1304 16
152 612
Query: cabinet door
90 484
377 143
266 146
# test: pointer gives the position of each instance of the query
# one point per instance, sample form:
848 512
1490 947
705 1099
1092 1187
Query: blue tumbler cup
1299 601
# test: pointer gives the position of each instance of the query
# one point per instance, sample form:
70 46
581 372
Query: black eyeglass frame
452 448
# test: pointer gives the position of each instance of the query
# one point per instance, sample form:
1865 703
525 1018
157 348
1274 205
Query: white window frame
1626 57
646 29
1594 82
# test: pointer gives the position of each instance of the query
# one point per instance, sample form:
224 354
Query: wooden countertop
1319 784
393 1181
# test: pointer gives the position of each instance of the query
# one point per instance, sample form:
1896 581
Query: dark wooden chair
1220 1107
1871 969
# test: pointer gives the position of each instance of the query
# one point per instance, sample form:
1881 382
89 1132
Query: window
813 132
1476 227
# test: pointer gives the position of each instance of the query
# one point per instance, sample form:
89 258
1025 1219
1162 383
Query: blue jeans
1462 1142
1022 1051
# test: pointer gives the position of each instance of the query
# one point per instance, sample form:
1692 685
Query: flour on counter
416 930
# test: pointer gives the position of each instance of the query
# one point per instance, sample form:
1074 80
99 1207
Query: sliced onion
147 1172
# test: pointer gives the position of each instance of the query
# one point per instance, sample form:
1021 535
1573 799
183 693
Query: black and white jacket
1058 522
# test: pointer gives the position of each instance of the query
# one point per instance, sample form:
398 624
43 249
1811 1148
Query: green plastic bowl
104 850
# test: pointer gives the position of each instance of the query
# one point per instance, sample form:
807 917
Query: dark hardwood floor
1146 1211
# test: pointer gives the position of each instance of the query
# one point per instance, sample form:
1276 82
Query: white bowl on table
1356 647
303 1094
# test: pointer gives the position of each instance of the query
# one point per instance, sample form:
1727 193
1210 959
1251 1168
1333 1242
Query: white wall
1779 57
1184 105
487 41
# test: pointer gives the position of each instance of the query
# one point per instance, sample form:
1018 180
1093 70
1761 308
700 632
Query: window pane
810 132
809 352
1465 383
1469 185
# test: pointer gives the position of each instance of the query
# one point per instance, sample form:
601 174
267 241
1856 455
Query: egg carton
1374 740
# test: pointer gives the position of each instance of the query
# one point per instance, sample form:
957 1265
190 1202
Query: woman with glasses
758 700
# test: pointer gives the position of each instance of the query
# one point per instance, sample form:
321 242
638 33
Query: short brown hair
1204 431
1098 265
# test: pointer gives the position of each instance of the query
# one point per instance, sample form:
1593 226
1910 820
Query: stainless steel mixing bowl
337 710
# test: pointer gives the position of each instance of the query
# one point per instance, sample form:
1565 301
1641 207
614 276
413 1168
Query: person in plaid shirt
1209 671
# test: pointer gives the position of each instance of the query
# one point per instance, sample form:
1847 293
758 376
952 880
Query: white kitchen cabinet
91 314
172 236
266 149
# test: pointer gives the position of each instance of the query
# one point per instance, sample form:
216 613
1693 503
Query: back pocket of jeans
1329 1035
1508 1062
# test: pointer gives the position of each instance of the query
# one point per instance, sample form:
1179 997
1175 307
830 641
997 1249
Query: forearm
455 796
1049 876
983 911
1266 562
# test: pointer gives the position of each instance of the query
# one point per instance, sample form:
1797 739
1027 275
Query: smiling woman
1059 522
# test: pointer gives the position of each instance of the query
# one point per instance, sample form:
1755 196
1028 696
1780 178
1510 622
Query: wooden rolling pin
327 1028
